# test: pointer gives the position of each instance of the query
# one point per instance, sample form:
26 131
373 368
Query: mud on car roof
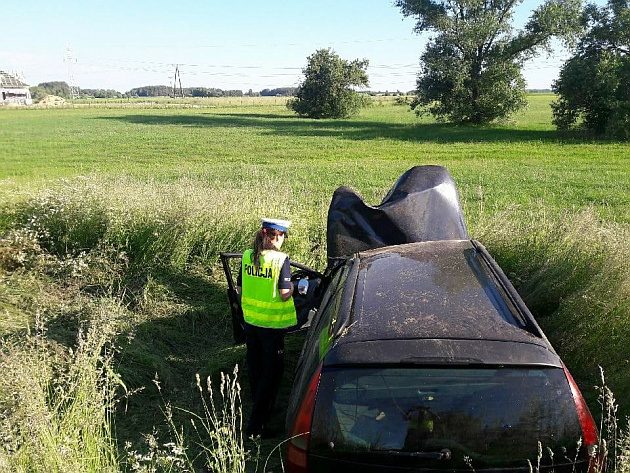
440 300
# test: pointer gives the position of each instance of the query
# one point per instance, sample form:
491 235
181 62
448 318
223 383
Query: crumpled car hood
423 205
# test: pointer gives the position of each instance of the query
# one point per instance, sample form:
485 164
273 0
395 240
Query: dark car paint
441 352
435 290
434 303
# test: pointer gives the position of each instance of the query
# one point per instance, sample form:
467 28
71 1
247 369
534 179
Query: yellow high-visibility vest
260 300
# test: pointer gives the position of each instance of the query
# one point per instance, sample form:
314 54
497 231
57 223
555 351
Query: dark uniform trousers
265 364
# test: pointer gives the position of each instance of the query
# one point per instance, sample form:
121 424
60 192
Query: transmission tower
70 60
177 79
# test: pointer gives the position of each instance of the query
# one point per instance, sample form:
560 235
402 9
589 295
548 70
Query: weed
222 425
614 446
56 405
218 431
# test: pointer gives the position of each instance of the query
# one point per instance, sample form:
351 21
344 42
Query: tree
594 84
326 91
38 93
58 88
279 92
471 70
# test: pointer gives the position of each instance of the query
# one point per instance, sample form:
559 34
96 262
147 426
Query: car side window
330 316
324 308
318 335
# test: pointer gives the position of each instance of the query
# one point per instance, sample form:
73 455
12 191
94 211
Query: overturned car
419 353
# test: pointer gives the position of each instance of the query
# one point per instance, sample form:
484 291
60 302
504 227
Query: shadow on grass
354 129
185 331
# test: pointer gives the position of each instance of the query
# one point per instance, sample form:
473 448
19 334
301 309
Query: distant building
13 90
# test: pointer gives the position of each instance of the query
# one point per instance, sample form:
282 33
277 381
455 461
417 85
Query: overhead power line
394 74
232 45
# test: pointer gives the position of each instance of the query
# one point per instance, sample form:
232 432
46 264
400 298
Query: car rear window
482 417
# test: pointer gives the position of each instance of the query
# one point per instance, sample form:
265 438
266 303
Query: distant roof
9 81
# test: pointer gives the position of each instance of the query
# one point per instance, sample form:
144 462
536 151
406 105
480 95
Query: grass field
518 164
112 217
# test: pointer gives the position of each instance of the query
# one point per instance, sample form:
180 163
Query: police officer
265 286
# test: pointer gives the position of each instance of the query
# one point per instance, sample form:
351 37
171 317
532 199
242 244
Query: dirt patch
52 100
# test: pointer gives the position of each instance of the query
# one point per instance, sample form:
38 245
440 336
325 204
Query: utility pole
176 79
70 60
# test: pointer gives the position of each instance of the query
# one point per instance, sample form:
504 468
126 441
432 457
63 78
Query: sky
240 44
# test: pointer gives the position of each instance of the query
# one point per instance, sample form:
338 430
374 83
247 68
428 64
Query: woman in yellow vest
264 284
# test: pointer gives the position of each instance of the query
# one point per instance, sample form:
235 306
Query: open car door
306 294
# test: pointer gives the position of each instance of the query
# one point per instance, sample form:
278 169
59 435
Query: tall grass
217 430
222 424
84 242
56 405
165 224
614 444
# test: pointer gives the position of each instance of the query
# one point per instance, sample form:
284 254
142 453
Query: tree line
62 89
165 91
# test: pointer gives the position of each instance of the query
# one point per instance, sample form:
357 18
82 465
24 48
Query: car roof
442 291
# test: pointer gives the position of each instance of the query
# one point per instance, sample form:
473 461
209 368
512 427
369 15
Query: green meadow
112 216
522 164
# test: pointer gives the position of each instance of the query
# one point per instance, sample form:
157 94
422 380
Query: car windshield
482 417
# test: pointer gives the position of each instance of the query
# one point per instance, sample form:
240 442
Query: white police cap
276 224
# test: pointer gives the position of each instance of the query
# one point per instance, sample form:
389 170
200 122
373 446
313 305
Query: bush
327 88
